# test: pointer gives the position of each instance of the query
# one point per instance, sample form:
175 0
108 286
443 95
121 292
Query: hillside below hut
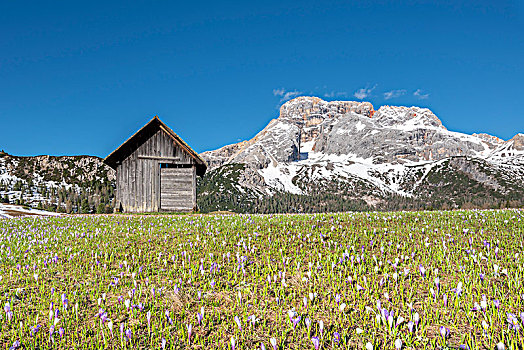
155 171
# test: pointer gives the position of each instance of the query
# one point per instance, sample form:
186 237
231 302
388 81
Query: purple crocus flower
164 342
444 332
129 334
100 313
513 321
189 328
273 342
35 330
169 318
16 345
476 307
385 313
316 342
411 325
484 303
416 318
432 291
296 321
422 270
61 332
336 337
237 321
252 319
64 301
458 290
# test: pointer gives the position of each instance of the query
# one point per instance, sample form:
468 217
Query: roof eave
201 164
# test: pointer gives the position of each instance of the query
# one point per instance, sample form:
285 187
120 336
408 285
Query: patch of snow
360 126
6 209
278 179
307 146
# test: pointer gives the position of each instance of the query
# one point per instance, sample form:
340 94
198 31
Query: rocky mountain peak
318 147
309 114
518 142
307 109
490 139
311 127
408 117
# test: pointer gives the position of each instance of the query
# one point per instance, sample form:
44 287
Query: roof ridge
167 130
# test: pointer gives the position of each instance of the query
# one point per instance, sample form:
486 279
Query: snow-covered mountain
52 182
348 148
316 156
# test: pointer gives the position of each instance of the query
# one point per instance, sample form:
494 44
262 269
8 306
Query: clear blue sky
80 77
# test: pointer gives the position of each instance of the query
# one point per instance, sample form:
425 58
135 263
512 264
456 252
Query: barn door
176 189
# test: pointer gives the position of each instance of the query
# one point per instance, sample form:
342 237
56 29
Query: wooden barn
155 171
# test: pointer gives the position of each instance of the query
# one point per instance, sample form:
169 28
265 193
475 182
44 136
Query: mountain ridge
60 183
315 156
307 113
313 143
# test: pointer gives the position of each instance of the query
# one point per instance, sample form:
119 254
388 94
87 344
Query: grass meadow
403 280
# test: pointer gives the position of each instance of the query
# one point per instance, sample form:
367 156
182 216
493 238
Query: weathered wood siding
176 189
139 175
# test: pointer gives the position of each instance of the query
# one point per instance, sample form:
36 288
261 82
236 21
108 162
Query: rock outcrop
313 141
390 135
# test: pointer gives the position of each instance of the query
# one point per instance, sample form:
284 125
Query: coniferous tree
85 209
101 208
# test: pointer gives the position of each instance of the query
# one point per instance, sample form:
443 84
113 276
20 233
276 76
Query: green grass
122 268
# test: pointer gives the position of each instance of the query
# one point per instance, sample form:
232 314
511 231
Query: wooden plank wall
176 189
138 179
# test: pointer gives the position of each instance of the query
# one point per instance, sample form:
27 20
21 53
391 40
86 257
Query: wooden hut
155 171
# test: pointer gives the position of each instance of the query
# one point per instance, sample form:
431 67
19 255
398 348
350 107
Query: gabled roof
155 124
